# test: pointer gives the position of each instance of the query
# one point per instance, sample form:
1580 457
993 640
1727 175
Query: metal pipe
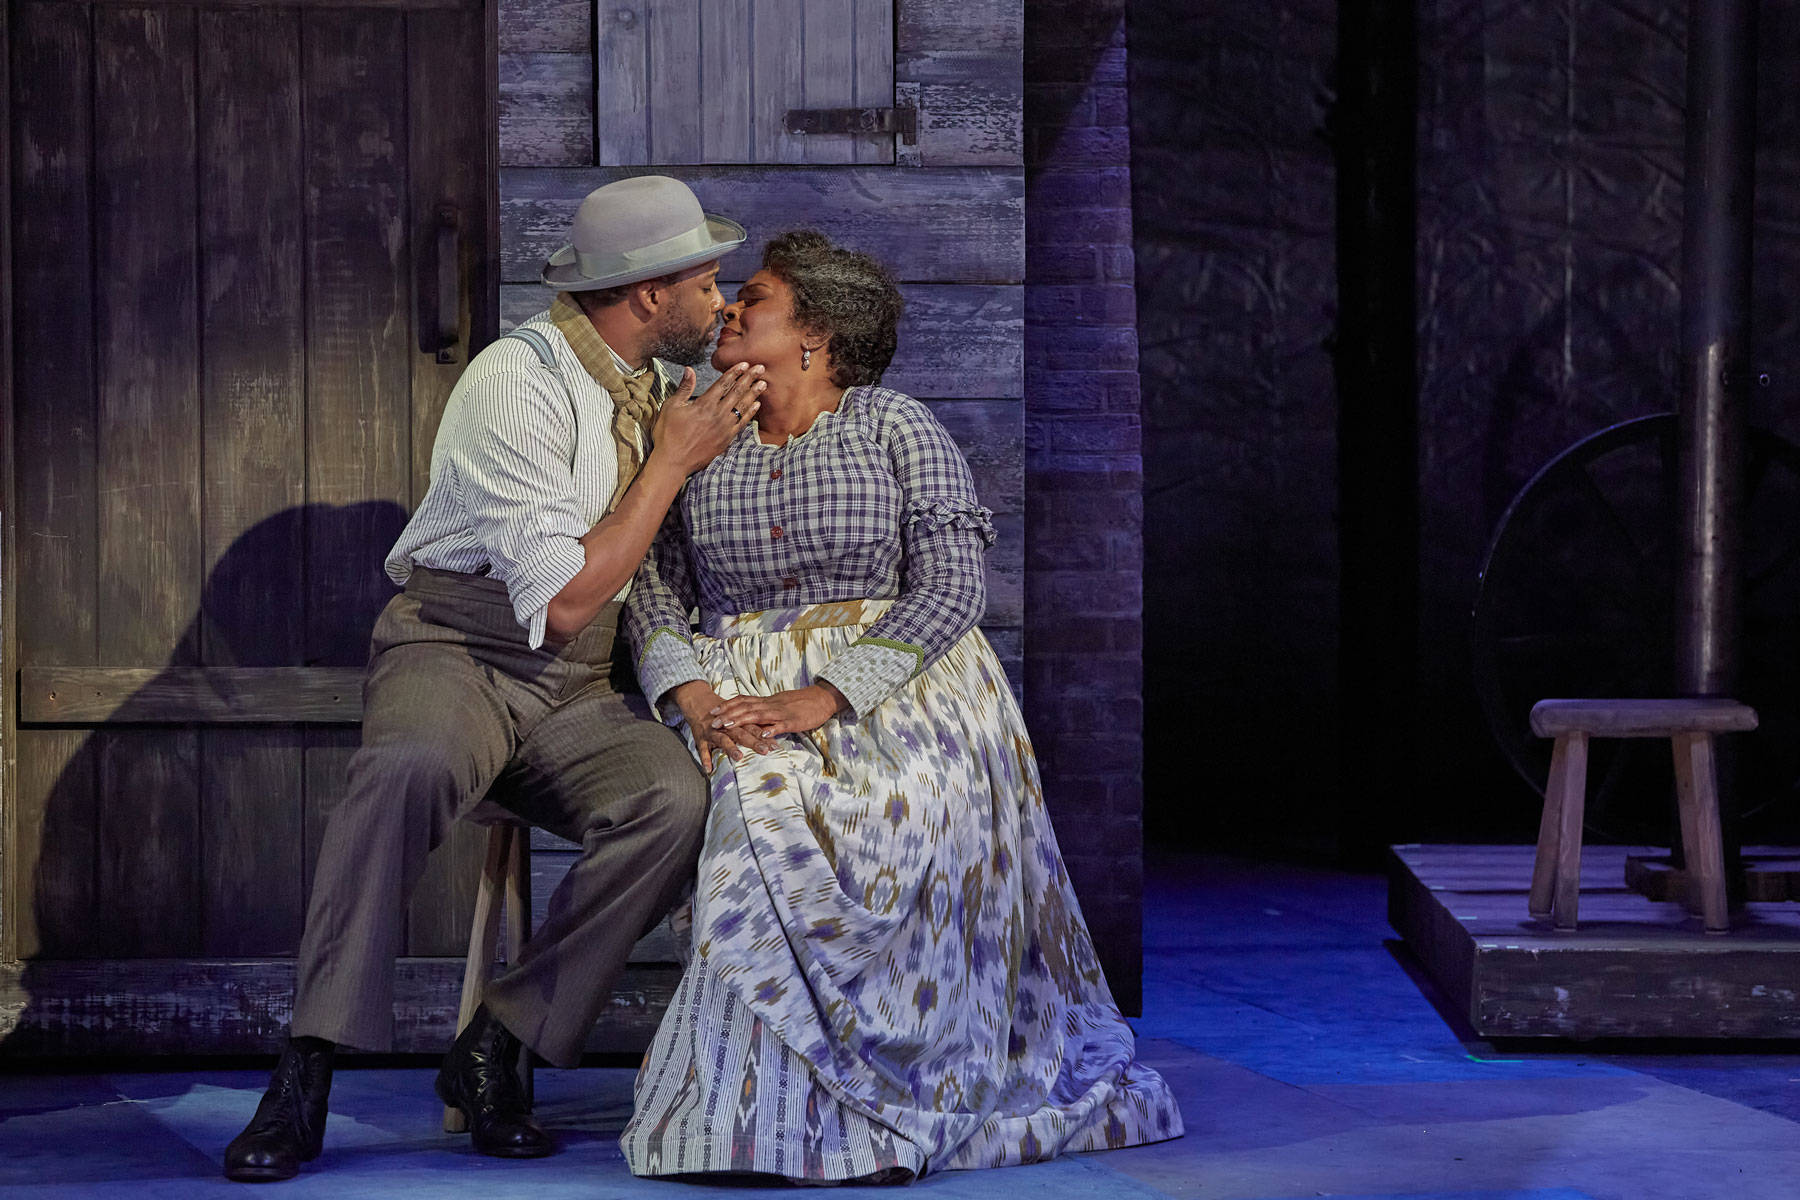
1715 342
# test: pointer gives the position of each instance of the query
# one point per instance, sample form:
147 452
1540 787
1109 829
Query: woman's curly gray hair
842 295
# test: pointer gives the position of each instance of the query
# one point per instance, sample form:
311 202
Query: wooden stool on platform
1689 725
505 877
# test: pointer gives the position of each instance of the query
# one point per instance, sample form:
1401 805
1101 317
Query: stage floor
1303 1042
1634 968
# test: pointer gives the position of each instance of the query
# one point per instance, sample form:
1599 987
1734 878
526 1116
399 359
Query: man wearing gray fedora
559 453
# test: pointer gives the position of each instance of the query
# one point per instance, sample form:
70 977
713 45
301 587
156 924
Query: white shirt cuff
538 581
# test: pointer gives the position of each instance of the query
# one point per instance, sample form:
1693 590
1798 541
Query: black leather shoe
289 1126
481 1077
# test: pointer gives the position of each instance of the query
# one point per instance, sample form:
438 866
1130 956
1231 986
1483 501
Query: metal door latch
902 119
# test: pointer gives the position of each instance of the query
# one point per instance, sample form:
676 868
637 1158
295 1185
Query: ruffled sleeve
929 516
943 591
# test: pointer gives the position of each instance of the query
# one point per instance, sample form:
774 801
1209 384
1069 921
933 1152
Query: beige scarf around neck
635 400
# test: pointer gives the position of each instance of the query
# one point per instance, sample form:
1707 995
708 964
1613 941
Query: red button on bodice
774 531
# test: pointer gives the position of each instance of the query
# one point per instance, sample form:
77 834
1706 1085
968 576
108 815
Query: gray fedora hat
638 228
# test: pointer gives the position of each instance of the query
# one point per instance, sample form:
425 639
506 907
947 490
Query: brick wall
1083 467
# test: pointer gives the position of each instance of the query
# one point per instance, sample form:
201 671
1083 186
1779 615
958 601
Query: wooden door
229 226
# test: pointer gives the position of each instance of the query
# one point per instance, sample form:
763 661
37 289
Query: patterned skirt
891 974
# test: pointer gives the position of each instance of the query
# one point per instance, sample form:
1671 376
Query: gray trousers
456 702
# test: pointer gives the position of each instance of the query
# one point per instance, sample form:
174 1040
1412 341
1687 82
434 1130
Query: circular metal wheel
1576 598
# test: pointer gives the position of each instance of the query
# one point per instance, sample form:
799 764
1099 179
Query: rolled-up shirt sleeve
656 613
514 478
943 591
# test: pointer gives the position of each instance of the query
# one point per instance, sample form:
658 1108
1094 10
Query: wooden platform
1636 968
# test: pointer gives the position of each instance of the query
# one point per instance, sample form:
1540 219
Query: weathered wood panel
547 27
970 26
968 59
547 109
951 225
148 465
47 901
9 621
991 435
56 417
253 326
252 394
872 62
687 82
148 889
359 345
621 86
779 67
961 340
448 153
726 66
1635 968
54 838
186 695
955 340
672 81
391 5
252 813
830 72
978 123
144 232
189 1006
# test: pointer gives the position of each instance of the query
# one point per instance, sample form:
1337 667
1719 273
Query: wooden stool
506 873
1689 725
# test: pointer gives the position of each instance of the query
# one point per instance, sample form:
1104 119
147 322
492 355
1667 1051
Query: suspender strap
541 345
537 342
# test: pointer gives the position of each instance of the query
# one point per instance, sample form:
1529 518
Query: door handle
449 282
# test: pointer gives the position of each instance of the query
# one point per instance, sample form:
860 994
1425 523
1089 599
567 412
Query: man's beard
681 340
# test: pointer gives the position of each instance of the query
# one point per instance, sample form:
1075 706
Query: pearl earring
805 359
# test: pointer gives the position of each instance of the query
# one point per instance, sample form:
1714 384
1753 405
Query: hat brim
564 273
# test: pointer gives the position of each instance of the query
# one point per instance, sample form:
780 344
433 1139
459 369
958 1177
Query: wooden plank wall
51 900
8 531
963 56
707 81
254 443
209 479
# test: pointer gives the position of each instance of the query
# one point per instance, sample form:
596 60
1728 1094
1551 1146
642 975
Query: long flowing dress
890 973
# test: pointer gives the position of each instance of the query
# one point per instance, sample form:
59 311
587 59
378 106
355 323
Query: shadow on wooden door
102 896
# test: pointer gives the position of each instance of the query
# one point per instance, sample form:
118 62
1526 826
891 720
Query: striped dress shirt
523 466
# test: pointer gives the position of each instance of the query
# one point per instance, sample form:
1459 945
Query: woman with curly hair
890 974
